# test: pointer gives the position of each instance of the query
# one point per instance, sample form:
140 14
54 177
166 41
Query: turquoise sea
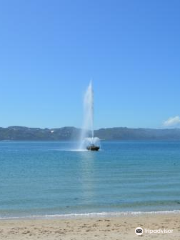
41 179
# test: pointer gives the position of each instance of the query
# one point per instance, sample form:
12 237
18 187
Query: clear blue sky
50 50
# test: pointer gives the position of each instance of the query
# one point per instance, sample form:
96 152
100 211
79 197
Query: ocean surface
54 179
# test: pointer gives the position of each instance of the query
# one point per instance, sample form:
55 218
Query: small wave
89 215
71 150
78 150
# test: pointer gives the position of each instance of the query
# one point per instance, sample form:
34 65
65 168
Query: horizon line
160 128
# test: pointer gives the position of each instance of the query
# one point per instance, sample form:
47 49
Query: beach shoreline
104 227
87 215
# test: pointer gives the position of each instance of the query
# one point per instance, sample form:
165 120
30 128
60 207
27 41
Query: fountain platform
93 148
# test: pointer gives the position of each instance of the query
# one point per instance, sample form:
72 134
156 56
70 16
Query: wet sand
104 228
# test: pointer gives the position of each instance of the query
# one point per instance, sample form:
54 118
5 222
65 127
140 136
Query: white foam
71 150
89 215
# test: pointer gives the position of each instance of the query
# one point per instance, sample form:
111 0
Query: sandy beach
110 228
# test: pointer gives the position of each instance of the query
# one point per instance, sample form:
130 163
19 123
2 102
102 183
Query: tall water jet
87 135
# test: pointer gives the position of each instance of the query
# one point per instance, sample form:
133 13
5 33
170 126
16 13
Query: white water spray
87 134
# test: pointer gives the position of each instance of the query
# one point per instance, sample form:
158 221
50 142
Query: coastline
88 215
104 227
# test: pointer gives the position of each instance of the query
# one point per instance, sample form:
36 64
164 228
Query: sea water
54 179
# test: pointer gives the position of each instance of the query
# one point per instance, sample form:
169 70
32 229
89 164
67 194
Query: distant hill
39 134
120 133
71 133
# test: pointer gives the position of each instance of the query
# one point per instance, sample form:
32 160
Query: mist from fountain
87 133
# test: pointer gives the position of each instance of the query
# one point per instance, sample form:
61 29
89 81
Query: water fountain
88 140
